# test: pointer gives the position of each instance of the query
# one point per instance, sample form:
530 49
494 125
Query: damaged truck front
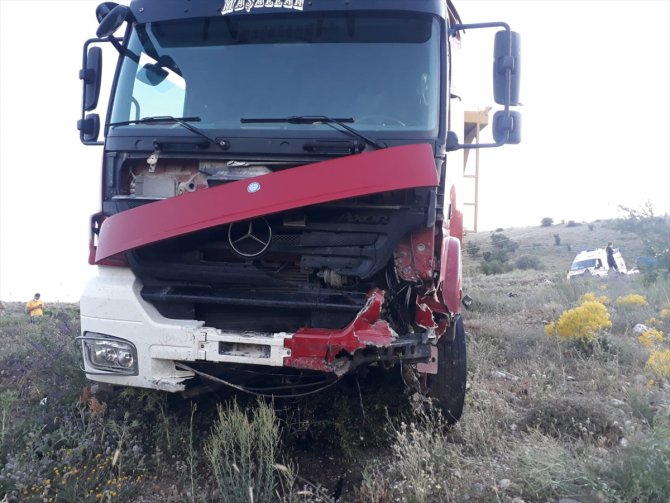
276 193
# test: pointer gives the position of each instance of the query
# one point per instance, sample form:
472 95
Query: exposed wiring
251 390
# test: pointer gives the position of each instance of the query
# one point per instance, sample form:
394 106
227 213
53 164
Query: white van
594 263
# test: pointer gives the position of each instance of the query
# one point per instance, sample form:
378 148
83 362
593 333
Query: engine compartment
163 178
305 266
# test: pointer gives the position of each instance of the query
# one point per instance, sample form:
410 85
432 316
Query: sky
596 126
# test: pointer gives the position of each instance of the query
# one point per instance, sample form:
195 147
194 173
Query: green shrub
547 222
496 260
242 452
653 231
502 242
640 473
495 266
529 262
499 255
472 249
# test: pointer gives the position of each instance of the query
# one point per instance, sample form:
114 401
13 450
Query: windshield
584 264
380 69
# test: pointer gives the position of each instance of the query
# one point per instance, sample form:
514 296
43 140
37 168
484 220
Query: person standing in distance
35 307
611 263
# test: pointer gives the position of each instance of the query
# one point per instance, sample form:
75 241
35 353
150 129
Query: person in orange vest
35 307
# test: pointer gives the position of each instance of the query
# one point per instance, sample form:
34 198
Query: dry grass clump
574 418
422 459
640 472
546 471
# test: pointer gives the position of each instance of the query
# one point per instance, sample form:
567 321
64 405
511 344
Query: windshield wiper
182 121
313 119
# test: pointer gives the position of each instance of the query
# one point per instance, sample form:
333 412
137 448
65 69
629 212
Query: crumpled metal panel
382 170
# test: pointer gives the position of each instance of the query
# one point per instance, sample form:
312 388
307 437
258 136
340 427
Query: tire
447 387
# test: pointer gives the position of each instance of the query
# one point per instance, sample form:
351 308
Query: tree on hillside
496 261
653 231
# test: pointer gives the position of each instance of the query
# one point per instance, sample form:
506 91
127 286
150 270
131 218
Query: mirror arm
122 50
507 65
458 27
452 143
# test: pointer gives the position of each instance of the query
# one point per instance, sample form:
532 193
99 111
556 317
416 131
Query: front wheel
447 387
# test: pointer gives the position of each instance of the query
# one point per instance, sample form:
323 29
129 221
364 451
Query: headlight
110 354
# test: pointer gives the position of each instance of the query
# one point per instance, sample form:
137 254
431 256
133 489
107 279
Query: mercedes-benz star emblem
253 187
250 238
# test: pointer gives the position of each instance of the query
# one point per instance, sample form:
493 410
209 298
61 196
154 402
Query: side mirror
91 75
506 68
507 127
103 9
89 128
112 20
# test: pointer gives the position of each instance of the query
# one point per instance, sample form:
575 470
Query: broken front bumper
126 341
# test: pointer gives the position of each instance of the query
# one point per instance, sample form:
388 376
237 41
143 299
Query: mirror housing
152 74
89 128
103 9
506 79
506 68
91 75
112 20
507 127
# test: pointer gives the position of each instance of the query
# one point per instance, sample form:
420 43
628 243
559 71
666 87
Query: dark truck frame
313 244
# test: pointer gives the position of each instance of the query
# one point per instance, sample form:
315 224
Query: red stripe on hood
356 175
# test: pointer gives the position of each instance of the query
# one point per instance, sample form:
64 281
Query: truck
279 202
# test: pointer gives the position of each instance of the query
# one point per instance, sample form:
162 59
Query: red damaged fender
382 170
414 255
451 274
318 349
438 299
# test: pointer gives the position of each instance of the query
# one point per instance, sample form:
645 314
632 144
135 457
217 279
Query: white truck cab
594 263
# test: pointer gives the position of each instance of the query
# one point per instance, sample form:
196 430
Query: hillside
580 414
541 242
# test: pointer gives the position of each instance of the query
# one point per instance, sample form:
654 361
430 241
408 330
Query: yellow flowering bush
665 313
659 362
582 323
632 299
654 322
651 337
591 297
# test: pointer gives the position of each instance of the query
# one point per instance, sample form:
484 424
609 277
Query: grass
545 417
242 452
